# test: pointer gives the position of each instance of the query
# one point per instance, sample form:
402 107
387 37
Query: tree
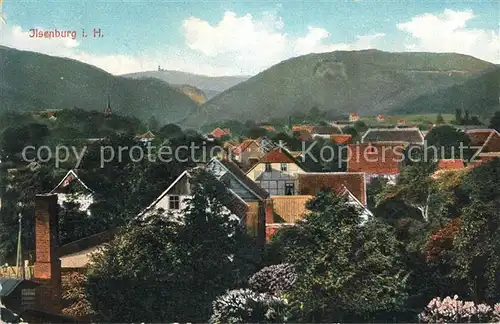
447 141
495 121
439 119
153 124
466 117
414 187
247 306
477 245
169 130
347 270
458 117
360 126
171 271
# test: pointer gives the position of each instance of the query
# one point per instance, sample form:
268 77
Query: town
258 210
249 161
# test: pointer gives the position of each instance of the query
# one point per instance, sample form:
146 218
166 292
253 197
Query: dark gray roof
240 175
8 285
408 135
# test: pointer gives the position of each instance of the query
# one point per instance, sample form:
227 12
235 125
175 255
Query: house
393 135
341 139
268 128
76 255
380 118
246 200
313 182
219 132
146 137
353 117
401 122
175 199
448 165
300 128
17 294
303 135
72 189
376 159
325 131
275 172
248 152
288 210
486 144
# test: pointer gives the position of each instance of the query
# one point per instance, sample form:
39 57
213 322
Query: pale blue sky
141 34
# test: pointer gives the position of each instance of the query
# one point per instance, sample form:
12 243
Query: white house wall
83 200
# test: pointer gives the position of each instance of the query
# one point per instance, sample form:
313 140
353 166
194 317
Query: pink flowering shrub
453 310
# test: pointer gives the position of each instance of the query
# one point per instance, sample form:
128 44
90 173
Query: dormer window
268 167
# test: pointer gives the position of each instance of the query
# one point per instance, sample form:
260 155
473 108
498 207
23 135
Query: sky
217 38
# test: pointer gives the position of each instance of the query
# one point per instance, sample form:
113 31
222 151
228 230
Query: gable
230 174
478 137
492 144
71 184
313 183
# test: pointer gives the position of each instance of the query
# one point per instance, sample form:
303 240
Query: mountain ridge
368 82
210 85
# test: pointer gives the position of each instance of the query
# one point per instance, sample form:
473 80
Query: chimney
269 211
47 263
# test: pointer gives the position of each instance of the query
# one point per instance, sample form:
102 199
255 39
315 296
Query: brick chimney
47 263
269 211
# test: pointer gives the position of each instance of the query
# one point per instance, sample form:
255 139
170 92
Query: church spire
107 112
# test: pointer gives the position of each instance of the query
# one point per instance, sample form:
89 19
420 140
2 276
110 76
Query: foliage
453 310
439 119
274 279
141 98
495 121
448 140
169 271
440 244
346 270
74 297
477 245
247 306
414 187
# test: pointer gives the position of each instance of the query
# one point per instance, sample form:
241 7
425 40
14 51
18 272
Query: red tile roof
218 132
303 135
278 155
300 128
478 136
268 128
312 183
341 138
452 164
377 158
492 144
243 146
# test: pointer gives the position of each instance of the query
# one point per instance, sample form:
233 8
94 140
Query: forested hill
32 82
367 82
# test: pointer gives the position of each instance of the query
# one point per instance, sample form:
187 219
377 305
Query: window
289 189
268 167
284 167
28 298
174 202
